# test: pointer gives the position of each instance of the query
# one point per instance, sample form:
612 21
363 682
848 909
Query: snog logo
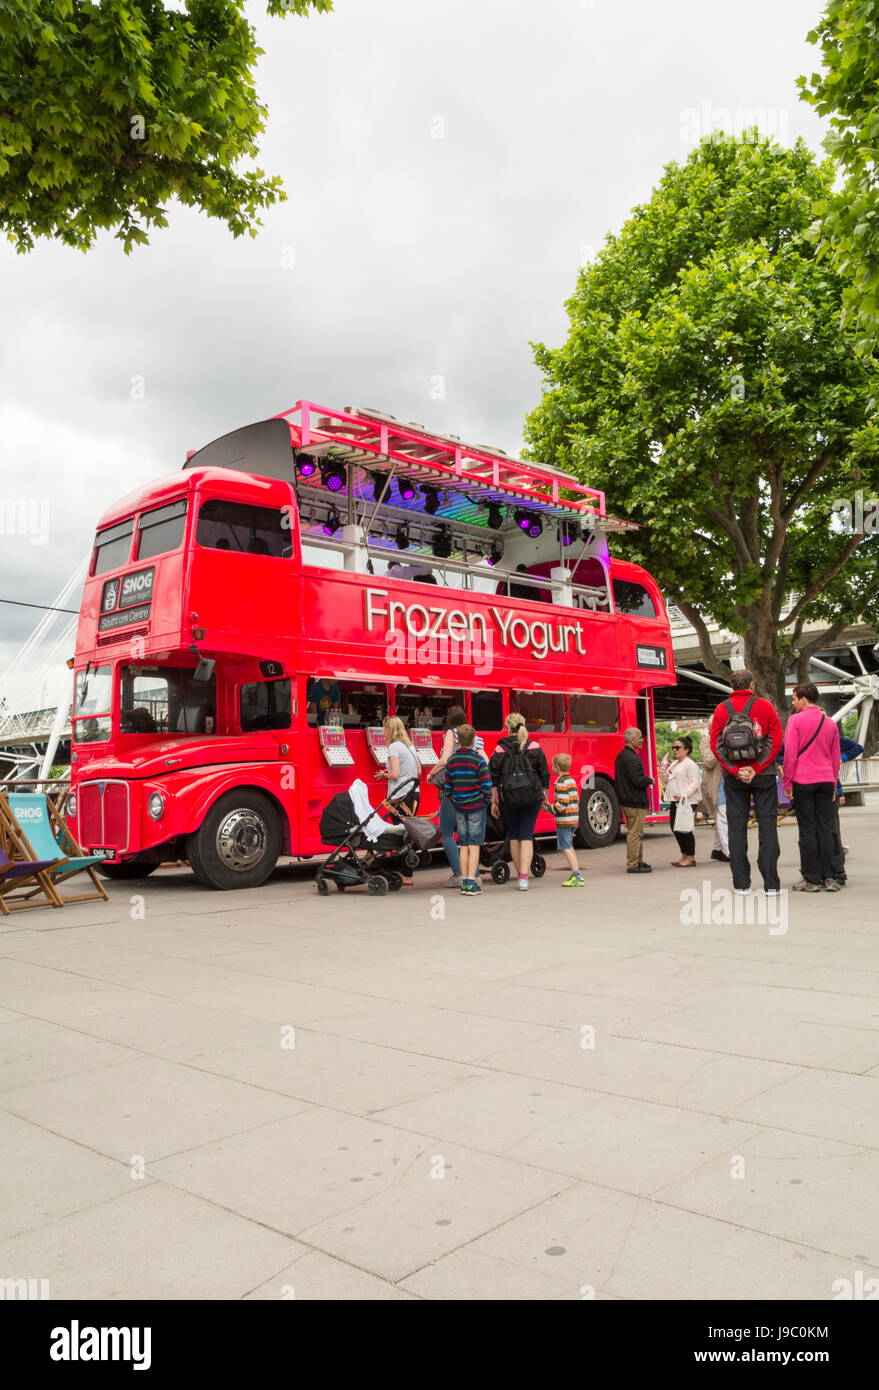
75 1343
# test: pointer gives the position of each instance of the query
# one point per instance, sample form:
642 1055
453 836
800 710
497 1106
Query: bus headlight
156 806
71 804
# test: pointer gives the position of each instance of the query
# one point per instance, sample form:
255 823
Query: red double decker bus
248 621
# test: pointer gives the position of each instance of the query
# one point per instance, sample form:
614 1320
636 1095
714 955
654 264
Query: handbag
684 817
421 831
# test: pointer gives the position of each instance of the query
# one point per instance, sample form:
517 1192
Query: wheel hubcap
241 839
599 813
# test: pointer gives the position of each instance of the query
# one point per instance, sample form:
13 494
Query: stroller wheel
323 887
340 887
500 871
378 886
395 881
538 866
411 858
425 859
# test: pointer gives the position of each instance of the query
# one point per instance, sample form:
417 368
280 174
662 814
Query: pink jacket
820 762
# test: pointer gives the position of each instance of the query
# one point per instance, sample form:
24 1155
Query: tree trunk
768 666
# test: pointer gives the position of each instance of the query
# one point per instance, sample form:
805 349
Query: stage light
333 475
378 485
497 553
407 490
305 465
431 499
441 543
495 516
402 537
333 521
529 522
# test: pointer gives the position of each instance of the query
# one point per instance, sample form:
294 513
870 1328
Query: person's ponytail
515 726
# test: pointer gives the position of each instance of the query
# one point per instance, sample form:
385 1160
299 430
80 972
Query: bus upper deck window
235 527
112 547
633 599
161 530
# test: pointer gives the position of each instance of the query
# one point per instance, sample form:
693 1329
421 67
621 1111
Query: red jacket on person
765 721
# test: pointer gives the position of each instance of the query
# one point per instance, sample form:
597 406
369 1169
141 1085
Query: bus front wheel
599 814
238 842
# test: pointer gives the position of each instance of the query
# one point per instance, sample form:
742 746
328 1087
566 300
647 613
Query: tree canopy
848 92
109 109
707 387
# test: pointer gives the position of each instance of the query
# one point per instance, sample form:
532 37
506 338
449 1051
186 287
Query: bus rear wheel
599 814
127 868
238 842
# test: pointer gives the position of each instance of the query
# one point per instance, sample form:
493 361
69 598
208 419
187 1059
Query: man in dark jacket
750 777
631 785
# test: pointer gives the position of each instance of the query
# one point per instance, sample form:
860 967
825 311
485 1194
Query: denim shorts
565 836
471 827
519 821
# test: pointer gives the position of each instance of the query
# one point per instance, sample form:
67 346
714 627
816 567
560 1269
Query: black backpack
520 784
738 740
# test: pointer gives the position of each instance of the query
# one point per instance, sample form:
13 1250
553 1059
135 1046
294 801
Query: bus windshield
92 702
166 700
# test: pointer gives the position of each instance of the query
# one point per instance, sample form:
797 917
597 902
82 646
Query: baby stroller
495 852
349 823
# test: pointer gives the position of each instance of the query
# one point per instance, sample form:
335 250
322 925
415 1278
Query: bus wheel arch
239 840
600 814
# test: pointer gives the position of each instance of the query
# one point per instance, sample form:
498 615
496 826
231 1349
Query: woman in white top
403 766
683 784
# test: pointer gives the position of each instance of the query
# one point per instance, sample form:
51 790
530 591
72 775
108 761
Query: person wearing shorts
468 788
566 810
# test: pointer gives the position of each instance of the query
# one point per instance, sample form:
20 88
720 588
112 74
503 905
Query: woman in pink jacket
809 775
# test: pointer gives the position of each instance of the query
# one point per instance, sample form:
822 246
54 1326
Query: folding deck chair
24 883
43 833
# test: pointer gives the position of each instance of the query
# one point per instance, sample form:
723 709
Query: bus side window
633 599
487 710
265 705
594 714
544 711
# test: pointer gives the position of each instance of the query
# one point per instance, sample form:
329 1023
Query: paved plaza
567 1094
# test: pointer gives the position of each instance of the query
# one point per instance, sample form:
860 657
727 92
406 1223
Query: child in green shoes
566 809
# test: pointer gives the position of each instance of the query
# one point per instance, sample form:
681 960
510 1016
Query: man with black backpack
746 737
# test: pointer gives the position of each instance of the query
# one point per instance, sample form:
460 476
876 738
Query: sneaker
804 886
719 855
453 882
575 881
523 884
742 892
475 886
772 892
467 885
831 885
640 869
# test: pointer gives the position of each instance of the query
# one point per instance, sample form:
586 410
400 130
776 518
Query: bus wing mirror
204 670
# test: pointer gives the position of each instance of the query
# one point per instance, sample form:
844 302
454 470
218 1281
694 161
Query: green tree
707 387
848 92
107 110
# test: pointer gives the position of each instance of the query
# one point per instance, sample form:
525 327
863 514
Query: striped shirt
566 803
468 784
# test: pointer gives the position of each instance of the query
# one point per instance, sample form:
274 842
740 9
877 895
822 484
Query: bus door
647 752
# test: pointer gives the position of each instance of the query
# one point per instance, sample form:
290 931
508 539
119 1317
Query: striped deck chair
24 881
43 834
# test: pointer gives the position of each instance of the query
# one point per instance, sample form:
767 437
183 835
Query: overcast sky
448 167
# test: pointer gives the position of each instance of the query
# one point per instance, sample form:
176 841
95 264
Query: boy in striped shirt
468 787
566 809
